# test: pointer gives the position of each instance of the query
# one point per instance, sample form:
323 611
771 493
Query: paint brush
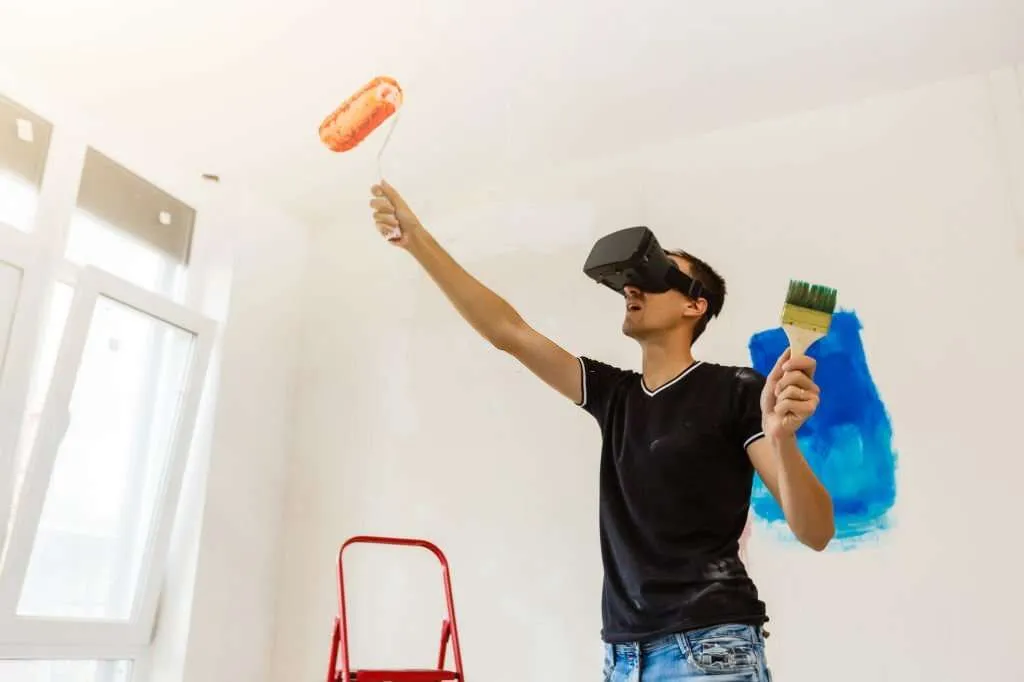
807 314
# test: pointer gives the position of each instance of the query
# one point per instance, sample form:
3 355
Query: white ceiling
238 87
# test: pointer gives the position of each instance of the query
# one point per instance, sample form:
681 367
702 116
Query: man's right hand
394 219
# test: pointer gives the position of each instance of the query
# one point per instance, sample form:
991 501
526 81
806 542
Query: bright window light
107 477
46 358
18 201
10 290
93 242
64 671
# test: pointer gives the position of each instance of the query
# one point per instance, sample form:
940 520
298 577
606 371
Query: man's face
649 314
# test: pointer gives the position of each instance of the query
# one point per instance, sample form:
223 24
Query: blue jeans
722 653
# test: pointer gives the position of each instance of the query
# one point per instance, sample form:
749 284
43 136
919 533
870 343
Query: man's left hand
790 396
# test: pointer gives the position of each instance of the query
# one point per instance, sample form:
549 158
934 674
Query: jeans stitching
754 638
755 666
684 646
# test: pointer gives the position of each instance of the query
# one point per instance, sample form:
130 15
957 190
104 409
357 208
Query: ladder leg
332 668
446 631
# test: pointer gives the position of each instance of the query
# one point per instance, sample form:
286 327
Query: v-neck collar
671 382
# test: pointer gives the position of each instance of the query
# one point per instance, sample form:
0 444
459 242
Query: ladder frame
339 639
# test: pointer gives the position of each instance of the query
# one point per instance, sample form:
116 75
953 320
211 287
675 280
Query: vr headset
633 257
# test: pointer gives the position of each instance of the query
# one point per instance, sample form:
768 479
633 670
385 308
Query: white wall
907 203
217 614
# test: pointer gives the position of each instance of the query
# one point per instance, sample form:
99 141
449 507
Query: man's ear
696 307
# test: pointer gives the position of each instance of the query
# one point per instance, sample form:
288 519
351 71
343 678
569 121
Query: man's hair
706 275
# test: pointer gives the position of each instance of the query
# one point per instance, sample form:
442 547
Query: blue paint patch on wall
848 441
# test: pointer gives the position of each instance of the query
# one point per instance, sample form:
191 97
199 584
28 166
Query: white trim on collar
679 378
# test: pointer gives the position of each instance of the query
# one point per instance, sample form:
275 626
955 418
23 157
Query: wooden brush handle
800 338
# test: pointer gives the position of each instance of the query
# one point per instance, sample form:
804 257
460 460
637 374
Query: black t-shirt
674 498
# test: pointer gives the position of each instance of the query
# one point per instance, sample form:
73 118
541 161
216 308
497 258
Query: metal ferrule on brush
813 320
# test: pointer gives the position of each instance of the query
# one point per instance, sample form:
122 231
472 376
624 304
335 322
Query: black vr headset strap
694 289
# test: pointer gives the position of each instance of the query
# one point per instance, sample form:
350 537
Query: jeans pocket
723 649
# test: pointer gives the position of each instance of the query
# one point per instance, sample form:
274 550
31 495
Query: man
681 442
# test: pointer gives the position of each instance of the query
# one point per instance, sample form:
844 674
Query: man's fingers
798 394
802 363
386 204
388 231
777 371
795 378
390 192
802 409
384 191
382 204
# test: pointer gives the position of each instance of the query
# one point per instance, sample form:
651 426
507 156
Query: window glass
24 145
110 467
130 227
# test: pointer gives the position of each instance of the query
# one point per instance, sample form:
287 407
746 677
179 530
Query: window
130 228
101 374
24 143
11 274
64 671
46 358
101 482
21 289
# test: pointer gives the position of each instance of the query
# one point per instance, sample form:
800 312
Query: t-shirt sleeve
747 421
599 381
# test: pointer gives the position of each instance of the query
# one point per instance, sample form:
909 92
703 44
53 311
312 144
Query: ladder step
402 676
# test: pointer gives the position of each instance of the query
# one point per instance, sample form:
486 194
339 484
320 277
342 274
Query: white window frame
22 251
137 630
40 254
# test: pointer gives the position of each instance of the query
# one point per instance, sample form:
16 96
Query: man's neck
664 360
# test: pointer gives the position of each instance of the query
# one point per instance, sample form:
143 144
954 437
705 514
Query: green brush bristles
807 314
811 296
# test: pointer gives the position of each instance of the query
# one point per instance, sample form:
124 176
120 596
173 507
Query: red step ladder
339 640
